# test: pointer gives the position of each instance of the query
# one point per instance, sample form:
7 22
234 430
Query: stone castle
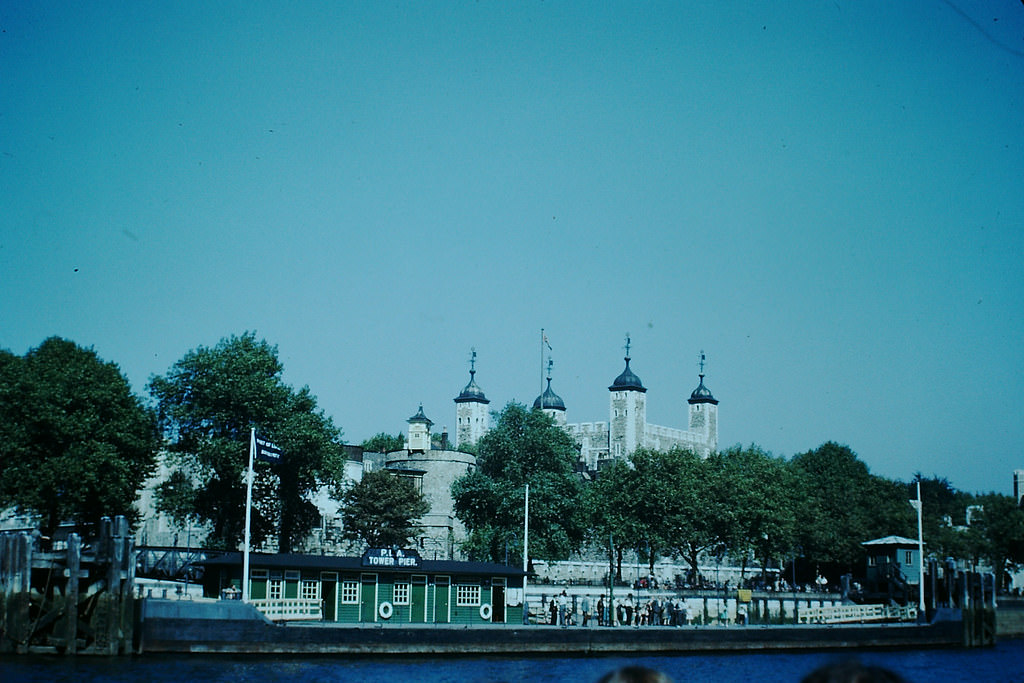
626 429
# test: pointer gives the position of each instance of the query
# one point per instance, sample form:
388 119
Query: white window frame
309 589
467 595
350 592
401 593
275 589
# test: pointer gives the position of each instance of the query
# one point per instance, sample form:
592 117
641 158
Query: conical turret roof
549 400
627 381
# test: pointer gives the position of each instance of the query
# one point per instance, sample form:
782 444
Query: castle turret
627 416
419 432
470 410
704 415
550 402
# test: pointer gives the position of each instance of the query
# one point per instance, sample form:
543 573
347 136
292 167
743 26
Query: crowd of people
561 610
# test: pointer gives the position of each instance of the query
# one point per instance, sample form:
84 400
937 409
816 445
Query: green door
498 601
418 600
329 599
442 592
368 598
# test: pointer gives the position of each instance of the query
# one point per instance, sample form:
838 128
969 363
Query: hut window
467 596
909 558
401 594
310 590
350 592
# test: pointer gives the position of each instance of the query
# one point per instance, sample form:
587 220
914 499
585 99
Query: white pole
248 508
526 542
920 551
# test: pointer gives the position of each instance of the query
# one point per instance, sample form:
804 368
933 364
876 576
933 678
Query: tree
612 516
381 510
845 505
697 519
759 496
384 443
75 443
944 508
524 447
1001 525
207 403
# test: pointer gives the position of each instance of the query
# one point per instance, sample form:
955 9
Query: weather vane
702 362
627 345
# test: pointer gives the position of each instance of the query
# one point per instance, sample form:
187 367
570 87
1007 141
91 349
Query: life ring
385 610
485 612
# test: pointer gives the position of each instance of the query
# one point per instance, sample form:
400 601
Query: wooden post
20 625
116 559
71 594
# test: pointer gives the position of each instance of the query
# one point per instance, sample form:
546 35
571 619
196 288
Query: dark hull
185 627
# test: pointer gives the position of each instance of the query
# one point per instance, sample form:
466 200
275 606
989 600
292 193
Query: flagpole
920 551
542 340
248 508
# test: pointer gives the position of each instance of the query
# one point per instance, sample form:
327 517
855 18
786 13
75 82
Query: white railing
847 614
289 610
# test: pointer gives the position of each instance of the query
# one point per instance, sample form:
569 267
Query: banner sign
391 557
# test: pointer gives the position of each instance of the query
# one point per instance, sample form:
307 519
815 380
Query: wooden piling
84 602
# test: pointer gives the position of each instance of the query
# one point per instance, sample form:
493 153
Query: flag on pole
546 342
267 451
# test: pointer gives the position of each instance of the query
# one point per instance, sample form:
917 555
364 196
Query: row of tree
742 503
77 444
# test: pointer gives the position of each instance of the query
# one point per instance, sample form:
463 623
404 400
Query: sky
824 197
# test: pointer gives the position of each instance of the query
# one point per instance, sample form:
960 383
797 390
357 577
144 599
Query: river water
1003 663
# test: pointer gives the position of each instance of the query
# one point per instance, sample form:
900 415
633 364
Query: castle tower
419 432
550 402
627 416
471 419
704 416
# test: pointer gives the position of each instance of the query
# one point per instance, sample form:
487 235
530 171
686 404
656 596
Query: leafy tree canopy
381 510
760 496
75 442
845 505
208 402
384 443
998 533
524 447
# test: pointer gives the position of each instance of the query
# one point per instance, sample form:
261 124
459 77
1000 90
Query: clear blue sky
827 197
